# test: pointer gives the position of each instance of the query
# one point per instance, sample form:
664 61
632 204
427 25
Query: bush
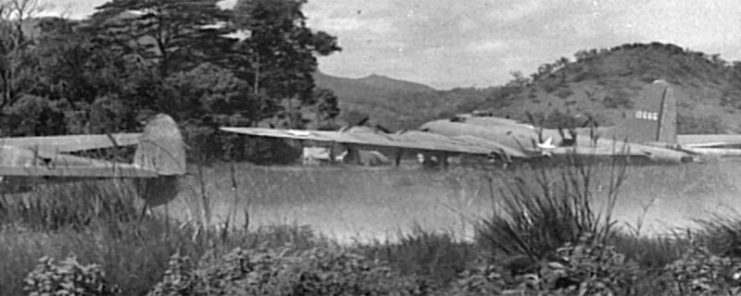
564 93
589 268
699 272
284 271
68 278
618 100
437 257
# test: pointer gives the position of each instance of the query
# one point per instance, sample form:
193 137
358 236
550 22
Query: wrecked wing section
412 140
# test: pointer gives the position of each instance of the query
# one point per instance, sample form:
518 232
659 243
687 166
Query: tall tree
174 35
278 54
15 63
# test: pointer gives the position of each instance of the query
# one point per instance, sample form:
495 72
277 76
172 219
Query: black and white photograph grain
370 147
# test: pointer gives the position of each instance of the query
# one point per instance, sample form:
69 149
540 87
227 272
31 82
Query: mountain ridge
600 83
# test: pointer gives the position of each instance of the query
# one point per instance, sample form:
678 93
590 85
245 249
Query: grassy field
354 203
392 229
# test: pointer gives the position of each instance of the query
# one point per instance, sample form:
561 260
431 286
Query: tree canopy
204 65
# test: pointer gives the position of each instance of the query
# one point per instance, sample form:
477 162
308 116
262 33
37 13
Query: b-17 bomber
647 135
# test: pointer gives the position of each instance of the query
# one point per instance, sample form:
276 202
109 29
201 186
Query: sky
478 43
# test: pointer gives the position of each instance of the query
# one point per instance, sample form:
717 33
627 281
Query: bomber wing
654 154
415 140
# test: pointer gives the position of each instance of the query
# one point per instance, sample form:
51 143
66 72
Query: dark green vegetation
551 230
603 83
204 65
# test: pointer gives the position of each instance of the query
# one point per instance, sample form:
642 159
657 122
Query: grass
430 227
546 207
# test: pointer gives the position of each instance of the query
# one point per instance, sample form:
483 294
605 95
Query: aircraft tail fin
161 149
654 118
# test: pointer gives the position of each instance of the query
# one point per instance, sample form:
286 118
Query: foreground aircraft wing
16 161
61 144
109 171
414 140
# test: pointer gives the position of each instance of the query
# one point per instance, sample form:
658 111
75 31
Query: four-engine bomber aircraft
158 160
649 133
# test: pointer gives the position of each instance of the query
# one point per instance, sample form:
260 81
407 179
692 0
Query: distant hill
601 83
391 102
370 85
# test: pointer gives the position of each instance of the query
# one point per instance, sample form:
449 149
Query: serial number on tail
647 115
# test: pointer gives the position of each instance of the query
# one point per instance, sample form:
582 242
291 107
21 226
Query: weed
284 271
68 278
437 257
549 207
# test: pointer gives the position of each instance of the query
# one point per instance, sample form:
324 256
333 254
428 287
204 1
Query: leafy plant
67 278
699 272
284 271
589 268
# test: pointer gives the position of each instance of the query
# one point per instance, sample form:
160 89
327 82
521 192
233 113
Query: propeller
382 128
362 121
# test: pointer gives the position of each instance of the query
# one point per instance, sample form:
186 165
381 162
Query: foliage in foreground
594 259
284 271
68 278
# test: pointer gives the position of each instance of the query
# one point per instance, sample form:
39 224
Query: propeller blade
382 128
363 121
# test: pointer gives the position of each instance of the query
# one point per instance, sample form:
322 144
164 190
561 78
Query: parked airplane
158 160
649 133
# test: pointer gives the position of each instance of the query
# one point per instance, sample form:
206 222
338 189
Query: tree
278 57
171 34
15 63
327 107
209 90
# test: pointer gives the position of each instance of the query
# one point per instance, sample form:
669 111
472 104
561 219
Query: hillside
601 83
604 83
394 103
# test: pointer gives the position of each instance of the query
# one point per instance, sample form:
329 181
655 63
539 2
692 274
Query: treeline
519 79
204 65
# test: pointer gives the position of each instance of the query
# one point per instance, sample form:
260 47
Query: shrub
699 272
618 100
284 271
485 279
564 93
68 278
437 257
588 268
